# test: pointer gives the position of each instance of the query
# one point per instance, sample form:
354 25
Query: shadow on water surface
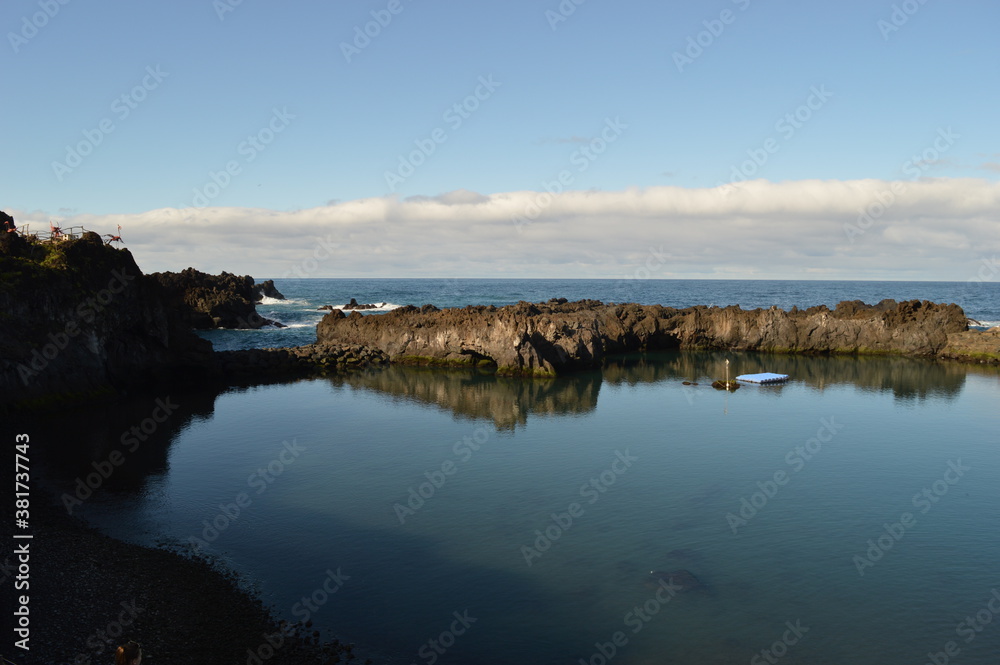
403 589
140 428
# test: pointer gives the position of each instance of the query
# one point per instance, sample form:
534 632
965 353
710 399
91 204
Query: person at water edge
129 653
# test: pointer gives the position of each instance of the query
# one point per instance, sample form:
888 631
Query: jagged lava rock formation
79 318
206 301
266 289
542 339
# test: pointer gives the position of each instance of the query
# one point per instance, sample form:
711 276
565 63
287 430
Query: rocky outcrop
542 339
354 304
266 289
311 360
204 301
982 346
78 319
7 223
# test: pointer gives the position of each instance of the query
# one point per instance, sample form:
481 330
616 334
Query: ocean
432 516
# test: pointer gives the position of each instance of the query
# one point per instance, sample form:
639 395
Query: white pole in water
727 373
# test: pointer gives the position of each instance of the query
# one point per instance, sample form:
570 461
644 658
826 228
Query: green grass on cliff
75 263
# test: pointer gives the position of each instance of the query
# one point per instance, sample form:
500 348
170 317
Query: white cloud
757 229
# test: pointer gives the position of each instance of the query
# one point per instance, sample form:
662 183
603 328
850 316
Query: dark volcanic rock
11 242
540 339
80 322
79 319
250 365
354 305
266 289
206 301
981 346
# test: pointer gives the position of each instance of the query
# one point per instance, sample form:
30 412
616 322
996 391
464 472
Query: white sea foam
287 301
381 307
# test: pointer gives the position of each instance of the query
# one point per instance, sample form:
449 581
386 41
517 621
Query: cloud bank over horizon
929 229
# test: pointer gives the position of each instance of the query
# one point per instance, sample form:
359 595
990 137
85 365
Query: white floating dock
765 377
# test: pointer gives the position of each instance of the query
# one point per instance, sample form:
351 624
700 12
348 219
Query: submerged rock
726 385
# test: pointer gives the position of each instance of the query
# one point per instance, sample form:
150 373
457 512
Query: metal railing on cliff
59 234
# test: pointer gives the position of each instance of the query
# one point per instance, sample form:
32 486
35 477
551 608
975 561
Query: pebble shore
89 592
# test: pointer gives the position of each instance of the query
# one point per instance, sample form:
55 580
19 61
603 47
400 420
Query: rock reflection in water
509 401
505 401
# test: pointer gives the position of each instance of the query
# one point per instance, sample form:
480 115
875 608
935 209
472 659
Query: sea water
848 516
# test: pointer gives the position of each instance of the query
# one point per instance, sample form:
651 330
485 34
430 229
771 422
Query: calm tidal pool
539 508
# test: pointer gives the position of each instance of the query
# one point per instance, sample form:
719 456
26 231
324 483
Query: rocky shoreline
90 592
82 322
547 339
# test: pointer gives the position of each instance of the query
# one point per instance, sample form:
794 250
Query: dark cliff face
78 318
206 301
544 338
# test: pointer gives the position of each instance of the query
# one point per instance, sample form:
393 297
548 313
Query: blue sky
205 88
